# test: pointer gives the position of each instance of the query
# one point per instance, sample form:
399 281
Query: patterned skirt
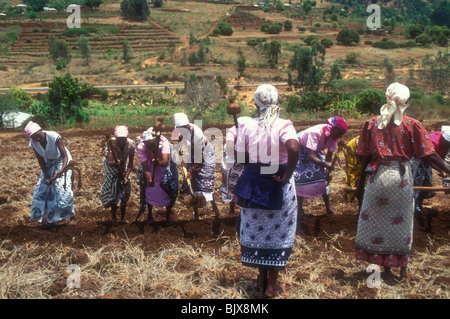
267 236
56 199
113 192
385 225
203 179
309 177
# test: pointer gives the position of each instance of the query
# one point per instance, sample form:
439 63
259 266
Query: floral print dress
385 225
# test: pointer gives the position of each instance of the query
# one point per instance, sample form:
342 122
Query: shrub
424 39
287 25
255 42
293 104
370 101
326 42
347 36
223 28
312 101
274 29
311 40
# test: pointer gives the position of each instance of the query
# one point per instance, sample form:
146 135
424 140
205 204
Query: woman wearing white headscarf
117 166
387 143
201 165
265 191
160 189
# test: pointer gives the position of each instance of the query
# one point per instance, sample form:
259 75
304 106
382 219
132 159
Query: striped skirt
385 225
112 192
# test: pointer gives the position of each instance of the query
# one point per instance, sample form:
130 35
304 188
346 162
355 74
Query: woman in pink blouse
387 144
312 164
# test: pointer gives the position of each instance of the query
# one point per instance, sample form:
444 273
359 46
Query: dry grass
123 269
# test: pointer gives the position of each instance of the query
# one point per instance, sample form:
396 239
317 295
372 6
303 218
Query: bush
424 39
133 9
370 101
223 28
274 29
312 101
255 42
347 36
293 105
326 42
311 40
287 25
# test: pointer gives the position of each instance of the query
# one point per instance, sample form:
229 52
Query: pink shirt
435 138
262 147
313 138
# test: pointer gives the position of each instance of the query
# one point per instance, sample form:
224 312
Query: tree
36 5
126 48
389 69
347 36
441 15
241 63
59 50
157 3
272 50
200 95
135 9
308 63
85 49
63 101
287 25
93 4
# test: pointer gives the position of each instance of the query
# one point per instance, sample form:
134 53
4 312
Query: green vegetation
89 30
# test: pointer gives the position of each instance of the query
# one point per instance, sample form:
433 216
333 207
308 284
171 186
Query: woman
162 187
423 173
201 164
53 194
387 144
309 175
266 190
231 170
117 166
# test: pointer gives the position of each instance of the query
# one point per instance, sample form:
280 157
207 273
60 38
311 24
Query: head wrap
31 128
339 122
180 119
446 132
121 131
148 135
266 99
396 96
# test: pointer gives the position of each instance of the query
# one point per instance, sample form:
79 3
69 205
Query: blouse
394 142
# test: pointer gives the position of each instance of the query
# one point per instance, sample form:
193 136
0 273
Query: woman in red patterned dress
387 144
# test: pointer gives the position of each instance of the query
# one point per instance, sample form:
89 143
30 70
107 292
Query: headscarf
339 122
266 99
180 119
396 96
121 131
31 128
148 135
446 132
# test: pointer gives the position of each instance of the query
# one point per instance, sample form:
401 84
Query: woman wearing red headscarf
312 164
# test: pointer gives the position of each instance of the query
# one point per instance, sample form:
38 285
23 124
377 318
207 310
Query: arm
312 157
42 165
130 165
437 163
359 193
292 147
62 151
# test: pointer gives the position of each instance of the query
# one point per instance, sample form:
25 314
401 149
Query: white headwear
266 99
396 96
121 131
446 132
180 119
148 135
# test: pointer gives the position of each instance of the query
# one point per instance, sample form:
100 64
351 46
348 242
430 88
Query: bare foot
272 291
331 211
73 221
